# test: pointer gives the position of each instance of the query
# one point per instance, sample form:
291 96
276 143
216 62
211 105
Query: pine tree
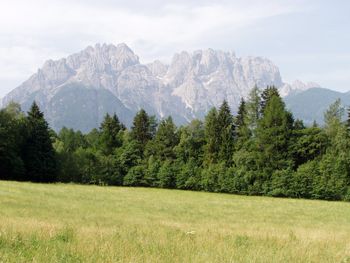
253 109
165 140
143 128
227 133
274 132
38 153
110 128
266 95
298 124
191 142
153 125
242 130
11 140
240 118
212 136
348 120
309 143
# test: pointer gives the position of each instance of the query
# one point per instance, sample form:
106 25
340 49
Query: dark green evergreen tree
274 133
253 110
109 170
109 133
165 140
309 144
212 137
227 133
135 176
242 130
11 139
142 129
38 153
253 153
191 143
348 120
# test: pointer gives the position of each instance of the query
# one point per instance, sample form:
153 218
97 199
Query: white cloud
33 31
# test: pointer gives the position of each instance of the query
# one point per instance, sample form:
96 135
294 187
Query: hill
310 105
74 223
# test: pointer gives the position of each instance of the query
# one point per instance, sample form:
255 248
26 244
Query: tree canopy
260 150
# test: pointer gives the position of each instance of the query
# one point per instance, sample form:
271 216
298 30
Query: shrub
135 176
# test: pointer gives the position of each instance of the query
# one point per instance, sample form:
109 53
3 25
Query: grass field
74 223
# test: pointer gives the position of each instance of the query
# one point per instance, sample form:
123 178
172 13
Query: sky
308 40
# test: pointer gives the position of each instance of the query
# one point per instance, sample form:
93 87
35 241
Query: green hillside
75 223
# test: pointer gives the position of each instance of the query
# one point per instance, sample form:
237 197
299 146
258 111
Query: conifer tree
348 120
11 140
242 130
110 128
141 130
227 133
298 124
191 143
274 133
253 109
212 137
165 140
266 95
153 125
38 154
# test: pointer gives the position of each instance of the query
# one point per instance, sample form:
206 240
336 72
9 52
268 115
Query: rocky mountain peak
158 68
106 78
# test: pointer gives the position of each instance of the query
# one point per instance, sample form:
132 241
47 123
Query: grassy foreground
74 223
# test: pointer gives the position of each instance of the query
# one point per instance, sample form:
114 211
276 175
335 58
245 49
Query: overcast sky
308 40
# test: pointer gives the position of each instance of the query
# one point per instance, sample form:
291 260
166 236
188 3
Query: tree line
262 150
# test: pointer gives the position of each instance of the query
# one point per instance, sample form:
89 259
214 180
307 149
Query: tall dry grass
74 223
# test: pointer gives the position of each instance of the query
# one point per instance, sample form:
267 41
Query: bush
166 175
347 195
303 180
151 172
281 183
135 176
226 180
332 181
188 176
211 176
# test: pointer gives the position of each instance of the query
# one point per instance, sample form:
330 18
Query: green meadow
77 223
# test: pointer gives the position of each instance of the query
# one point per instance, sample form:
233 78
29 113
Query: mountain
310 105
78 90
296 87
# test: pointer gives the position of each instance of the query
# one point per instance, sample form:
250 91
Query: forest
261 150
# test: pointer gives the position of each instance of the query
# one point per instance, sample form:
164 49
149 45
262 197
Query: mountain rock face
78 90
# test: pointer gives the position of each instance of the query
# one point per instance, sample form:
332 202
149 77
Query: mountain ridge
186 88
314 101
